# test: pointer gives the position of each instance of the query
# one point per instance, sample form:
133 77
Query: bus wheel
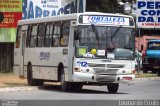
65 86
30 80
29 76
76 86
113 88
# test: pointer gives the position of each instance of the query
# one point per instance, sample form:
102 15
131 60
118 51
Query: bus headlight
76 69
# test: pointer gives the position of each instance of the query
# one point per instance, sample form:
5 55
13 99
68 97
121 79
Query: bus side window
48 37
18 37
41 34
28 36
33 36
56 34
65 33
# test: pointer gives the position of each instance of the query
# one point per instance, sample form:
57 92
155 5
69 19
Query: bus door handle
65 51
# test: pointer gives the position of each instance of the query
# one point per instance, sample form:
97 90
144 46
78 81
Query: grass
146 75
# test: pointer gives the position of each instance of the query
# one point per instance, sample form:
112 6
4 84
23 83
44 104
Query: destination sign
106 20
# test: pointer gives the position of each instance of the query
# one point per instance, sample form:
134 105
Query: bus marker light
133 71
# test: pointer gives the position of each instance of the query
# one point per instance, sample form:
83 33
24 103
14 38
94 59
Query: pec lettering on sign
148 13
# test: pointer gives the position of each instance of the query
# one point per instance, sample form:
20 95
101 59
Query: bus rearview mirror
76 35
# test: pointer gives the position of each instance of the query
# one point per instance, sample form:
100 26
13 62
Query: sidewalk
11 82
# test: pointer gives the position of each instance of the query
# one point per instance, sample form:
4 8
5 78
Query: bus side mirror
76 35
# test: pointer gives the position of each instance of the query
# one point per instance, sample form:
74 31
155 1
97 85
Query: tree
107 6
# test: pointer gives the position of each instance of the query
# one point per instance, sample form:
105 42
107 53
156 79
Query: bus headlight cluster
76 69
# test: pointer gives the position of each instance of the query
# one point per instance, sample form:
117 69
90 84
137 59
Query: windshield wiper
95 31
115 32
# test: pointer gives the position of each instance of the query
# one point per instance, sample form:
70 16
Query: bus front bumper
87 77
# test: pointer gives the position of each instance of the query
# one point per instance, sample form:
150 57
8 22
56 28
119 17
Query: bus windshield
105 41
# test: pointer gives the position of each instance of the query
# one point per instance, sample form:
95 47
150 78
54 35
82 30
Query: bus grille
105 71
115 66
96 65
106 68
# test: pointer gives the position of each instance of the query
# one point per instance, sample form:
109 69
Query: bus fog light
123 71
118 79
133 71
87 70
92 77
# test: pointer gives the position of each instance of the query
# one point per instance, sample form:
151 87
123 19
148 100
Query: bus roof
65 17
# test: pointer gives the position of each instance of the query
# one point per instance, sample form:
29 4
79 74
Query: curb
13 89
148 78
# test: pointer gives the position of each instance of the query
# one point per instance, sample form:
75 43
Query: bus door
22 51
71 51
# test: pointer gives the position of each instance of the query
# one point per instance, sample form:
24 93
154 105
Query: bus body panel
45 61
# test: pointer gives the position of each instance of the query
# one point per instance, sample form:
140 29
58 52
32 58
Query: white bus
79 49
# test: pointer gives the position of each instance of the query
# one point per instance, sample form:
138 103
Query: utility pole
138 51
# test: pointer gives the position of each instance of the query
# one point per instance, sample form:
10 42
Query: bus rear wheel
113 88
30 80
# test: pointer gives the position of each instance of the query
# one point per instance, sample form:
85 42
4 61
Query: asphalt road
140 90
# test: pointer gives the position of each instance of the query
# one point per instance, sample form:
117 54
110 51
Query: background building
14 10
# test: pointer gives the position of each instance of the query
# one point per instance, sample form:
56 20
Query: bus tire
39 82
30 80
113 88
65 86
76 86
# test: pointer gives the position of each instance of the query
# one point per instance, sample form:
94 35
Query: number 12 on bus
77 49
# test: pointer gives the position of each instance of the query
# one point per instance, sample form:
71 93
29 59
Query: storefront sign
148 13
44 8
12 12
